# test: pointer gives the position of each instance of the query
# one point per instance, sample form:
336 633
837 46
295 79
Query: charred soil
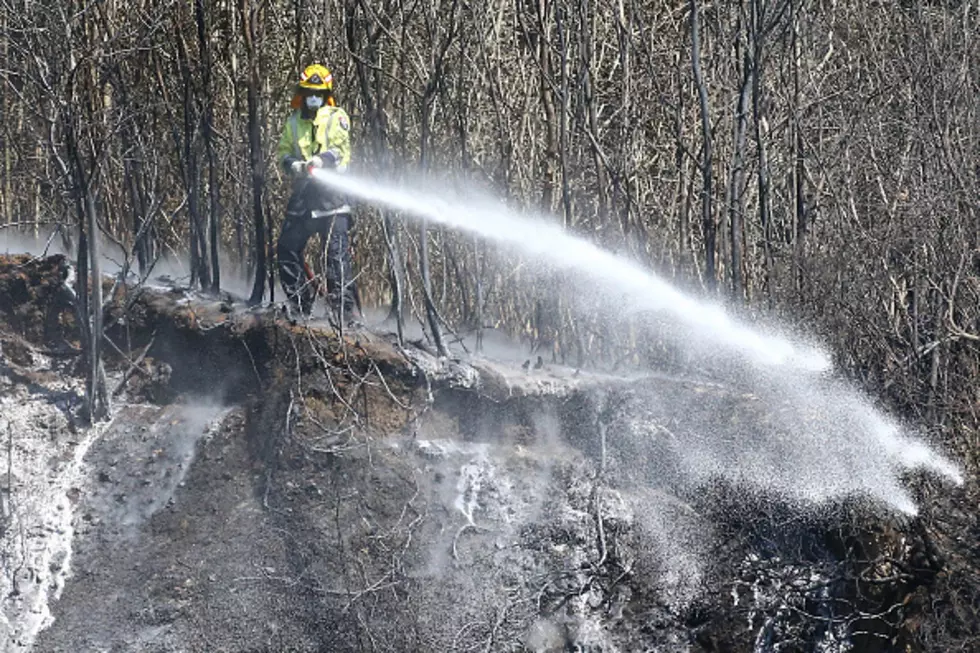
265 485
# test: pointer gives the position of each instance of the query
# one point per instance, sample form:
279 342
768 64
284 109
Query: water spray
637 289
825 440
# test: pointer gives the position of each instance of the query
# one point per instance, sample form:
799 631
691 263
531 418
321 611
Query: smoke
169 269
163 452
45 242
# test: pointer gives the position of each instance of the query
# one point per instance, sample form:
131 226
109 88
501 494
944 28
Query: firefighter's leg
340 270
296 231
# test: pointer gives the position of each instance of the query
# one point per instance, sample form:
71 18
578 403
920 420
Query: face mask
314 102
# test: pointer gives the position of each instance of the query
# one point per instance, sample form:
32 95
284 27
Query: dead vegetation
367 532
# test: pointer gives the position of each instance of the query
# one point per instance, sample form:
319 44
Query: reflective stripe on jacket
329 130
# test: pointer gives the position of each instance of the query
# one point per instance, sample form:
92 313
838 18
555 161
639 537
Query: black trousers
308 198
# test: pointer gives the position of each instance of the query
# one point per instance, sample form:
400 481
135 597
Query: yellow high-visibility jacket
329 130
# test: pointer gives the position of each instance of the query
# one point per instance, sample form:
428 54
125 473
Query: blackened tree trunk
364 36
251 24
207 128
707 214
799 173
428 99
761 133
431 314
98 398
736 187
89 306
192 182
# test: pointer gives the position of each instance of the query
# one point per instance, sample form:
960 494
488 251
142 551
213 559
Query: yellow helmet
316 78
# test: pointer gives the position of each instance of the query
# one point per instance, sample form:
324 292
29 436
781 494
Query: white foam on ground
37 546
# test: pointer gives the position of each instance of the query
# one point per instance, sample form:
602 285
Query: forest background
814 161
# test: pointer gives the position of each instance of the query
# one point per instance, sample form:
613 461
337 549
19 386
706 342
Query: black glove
294 165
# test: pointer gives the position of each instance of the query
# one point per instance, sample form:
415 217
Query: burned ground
269 486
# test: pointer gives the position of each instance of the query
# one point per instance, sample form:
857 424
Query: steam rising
810 439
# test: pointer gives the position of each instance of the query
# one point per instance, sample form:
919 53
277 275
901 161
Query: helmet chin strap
314 102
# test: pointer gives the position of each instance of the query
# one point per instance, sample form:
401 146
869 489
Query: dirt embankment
269 486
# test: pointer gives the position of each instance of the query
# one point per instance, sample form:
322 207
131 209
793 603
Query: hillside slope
270 486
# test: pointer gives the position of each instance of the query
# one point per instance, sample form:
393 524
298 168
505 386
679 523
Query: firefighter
316 135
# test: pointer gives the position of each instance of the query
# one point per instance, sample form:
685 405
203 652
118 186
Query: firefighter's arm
285 153
333 132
